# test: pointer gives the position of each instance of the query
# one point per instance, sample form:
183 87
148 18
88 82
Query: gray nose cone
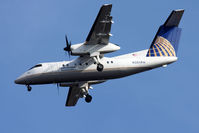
20 81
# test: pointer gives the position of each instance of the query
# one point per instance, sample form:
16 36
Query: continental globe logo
161 47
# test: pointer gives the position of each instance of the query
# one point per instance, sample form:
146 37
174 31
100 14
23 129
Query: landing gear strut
84 91
88 98
100 67
29 88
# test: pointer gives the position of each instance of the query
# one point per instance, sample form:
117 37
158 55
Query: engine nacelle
86 49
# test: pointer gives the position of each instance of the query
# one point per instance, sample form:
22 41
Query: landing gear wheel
29 88
100 67
88 98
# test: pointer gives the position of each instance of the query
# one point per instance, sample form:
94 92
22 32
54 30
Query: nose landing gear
29 88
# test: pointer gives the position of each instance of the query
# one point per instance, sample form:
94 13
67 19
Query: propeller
68 46
58 89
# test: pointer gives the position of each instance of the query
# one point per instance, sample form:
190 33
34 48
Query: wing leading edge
100 31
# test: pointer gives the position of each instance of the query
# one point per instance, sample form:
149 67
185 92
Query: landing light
164 65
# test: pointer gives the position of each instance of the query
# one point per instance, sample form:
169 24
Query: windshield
39 65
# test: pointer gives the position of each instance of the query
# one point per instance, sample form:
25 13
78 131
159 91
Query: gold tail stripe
172 52
163 50
168 44
154 51
158 49
166 49
149 52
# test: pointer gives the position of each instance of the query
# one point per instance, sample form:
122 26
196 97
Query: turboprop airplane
92 67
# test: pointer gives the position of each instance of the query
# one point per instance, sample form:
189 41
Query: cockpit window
38 65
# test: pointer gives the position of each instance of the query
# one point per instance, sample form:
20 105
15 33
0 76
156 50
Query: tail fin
167 38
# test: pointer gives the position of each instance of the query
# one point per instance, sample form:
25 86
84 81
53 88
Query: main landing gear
88 98
84 92
29 88
100 67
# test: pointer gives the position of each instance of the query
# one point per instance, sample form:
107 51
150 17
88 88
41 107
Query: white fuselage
84 69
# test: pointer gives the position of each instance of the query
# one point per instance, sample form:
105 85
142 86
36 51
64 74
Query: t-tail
167 38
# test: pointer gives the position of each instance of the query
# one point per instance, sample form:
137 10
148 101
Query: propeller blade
66 40
69 53
68 46
58 89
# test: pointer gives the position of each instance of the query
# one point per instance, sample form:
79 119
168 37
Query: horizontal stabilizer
174 18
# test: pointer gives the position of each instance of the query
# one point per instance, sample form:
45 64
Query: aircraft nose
20 80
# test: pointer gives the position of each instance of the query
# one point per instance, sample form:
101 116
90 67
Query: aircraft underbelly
86 75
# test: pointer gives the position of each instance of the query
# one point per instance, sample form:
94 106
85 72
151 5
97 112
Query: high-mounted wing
100 31
97 42
73 96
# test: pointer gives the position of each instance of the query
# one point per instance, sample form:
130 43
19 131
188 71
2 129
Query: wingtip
179 10
107 5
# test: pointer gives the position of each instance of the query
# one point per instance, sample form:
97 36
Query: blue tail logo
161 47
167 38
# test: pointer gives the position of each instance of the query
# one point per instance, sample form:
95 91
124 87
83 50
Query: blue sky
162 100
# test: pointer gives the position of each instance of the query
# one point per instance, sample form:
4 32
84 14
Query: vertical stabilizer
167 38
